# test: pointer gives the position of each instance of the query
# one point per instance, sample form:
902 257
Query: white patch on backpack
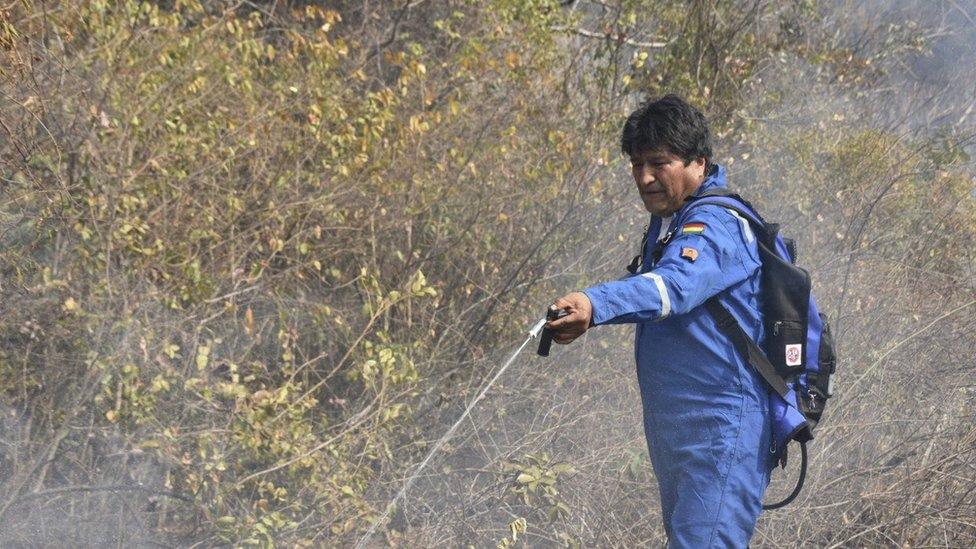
793 354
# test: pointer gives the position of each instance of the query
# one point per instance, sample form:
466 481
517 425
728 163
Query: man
705 408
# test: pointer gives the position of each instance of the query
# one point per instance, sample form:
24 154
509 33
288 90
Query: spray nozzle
545 342
537 329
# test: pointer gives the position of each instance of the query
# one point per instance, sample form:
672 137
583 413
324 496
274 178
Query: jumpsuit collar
714 180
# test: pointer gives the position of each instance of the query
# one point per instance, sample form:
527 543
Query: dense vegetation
256 256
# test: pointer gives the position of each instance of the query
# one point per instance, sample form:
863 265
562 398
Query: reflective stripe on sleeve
663 290
745 226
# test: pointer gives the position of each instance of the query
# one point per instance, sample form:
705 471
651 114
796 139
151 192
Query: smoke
885 424
851 172
74 483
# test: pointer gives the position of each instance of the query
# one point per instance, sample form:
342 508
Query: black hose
799 482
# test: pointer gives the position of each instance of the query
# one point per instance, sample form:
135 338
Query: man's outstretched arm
712 251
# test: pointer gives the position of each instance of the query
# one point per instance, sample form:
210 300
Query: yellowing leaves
159 384
515 528
512 59
171 350
418 124
203 357
249 321
420 287
71 306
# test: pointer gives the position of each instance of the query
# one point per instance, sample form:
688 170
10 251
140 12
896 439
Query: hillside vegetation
256 256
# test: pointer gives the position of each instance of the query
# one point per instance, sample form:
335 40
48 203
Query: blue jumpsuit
705 409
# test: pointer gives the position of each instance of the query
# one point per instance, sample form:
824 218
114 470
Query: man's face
664 181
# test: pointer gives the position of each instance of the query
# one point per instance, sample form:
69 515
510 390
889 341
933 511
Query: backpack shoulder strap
745 346
784 247
731 201
726 323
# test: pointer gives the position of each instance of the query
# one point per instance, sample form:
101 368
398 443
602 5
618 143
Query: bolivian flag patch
693 228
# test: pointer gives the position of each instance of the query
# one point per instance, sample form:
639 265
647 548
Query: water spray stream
533 333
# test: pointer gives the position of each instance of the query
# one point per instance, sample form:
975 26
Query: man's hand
576 322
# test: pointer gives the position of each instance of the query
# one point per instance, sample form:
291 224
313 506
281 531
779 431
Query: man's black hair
668 123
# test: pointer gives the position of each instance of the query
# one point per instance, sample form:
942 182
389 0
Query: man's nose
645 176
